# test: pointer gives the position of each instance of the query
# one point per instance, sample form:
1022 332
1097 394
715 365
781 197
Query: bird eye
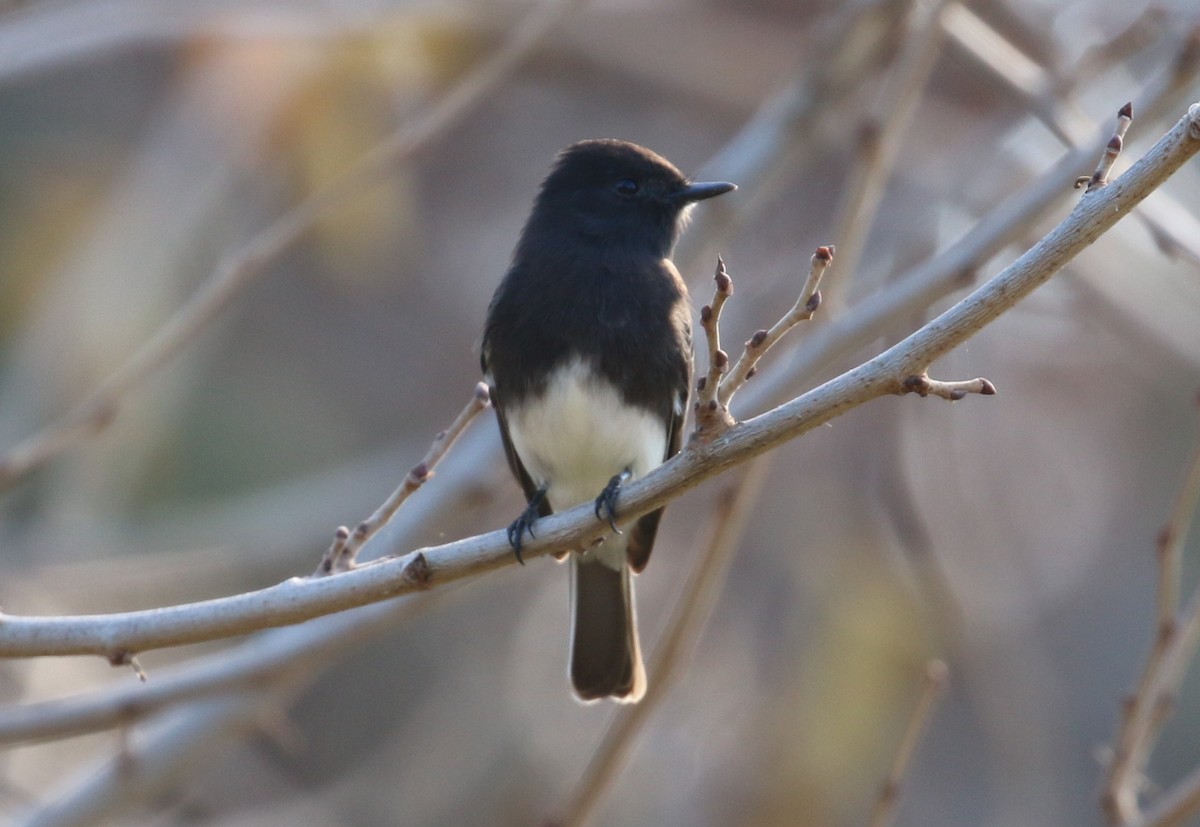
626 187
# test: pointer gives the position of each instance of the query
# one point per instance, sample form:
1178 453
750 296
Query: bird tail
606 658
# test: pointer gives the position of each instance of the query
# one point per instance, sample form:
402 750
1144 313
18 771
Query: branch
709 385
1176 806
884 812
262 663
136 774
343 552
956 268
301 599
762 341
712 416
1099 178
879 137
238 270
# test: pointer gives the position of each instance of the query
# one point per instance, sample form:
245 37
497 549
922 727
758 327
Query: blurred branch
879 137
1016 70
723 529
848 47
285 655
884 812
956 267
1146 711
136 773
240 268
253 665
118 635
1177 806
1045 93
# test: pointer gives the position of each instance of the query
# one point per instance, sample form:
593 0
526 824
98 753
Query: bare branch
301 599
710 416
880 138
922 385
1099 178
956 268
284 654
1172 540
134 774
343 552
762 341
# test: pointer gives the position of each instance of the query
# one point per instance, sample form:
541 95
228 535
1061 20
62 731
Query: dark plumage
587 348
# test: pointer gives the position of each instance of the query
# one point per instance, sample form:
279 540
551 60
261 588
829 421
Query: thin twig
239 269
1099 178
762 341
712 416
718 360
884 811
953 391
342 554
727 522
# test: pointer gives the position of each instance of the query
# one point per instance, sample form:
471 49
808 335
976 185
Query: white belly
579 434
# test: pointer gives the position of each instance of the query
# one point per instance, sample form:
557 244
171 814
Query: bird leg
606 503
524 523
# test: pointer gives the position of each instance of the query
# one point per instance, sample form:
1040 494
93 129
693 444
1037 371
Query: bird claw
606 503
523 525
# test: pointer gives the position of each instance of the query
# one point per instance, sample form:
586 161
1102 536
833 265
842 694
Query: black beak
698 192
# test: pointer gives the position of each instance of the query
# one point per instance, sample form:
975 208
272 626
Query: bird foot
606 503
524 524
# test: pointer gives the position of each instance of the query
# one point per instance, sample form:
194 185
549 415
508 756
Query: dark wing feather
514 462
641 537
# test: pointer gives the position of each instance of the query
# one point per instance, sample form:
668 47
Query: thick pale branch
260 664
300 599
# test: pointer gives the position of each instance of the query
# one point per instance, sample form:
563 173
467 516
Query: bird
587 354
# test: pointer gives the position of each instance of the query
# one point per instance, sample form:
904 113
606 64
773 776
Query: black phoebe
588 352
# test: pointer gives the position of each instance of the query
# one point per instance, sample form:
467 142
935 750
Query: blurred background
144 144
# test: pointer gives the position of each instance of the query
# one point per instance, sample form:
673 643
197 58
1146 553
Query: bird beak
698 192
